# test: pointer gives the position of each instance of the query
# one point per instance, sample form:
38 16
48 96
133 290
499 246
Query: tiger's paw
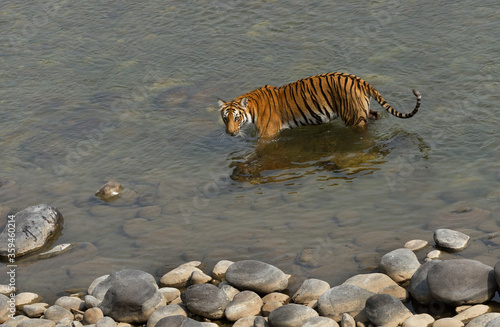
374 115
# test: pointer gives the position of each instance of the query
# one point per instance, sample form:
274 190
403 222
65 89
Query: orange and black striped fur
310 101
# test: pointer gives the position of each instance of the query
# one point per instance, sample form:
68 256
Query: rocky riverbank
405 292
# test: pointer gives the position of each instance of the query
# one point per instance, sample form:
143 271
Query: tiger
310 101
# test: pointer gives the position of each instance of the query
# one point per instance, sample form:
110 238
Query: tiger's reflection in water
332 153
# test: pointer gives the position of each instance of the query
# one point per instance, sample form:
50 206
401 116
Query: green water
95 91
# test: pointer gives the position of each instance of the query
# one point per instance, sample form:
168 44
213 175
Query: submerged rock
32 228
451 240
109 191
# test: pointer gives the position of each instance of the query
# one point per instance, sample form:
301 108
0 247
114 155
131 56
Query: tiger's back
309 101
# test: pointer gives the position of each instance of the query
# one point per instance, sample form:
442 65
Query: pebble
35 310
371 282
341 299
320 322
167 311
131 298
434 254
179 277
91 302
399 264
16 320
220 268
269 307
451 240
291 315
105 322
92 316
310 290
199 277
419 320
178 321
229 290
25 298
251 321
483 320
447 322
123 277
275 296
472 312
36 323
256 276
56 313
397 291
169 293
386 310
206 300
69 303
245 303
415 245
347 320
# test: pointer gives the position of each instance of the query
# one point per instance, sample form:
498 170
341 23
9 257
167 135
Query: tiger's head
234 114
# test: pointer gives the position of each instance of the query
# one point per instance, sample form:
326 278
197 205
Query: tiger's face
234 115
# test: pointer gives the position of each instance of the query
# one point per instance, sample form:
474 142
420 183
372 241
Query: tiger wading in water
310 101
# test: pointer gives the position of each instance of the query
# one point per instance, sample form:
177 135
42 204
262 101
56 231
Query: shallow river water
92 91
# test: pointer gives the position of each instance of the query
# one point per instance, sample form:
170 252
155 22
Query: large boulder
461 281
130 298
418 287
31 228
256 276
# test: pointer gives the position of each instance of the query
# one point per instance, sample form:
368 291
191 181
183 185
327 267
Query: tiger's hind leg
374 115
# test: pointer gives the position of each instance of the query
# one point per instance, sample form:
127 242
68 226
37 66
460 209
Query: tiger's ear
220 102
244 102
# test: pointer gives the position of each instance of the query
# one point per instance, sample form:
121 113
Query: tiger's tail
378 97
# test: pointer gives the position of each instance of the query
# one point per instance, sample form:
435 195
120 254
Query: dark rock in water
256 276
127 276
131 301
450 240
109 191
291 315
418 287
31 228
178 321
386 310
461 281
206 300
